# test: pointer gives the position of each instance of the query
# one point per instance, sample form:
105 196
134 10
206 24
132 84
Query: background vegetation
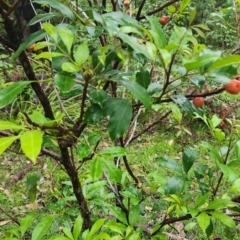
115 122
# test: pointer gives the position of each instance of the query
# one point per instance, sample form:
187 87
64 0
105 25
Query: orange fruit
126 3
163 20
31 48
233 86
198 102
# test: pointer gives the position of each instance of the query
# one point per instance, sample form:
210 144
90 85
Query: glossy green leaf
51 31
5 142
177 114
9 93
42 228
220 204
77 228
25 223
169 163
119 214
114 152
41 18
59 6
227 61
93 114
67 37
235 186
64 81
120 112
98 96
134 215
96 170
203 221
143 78
31 142
6 125
48 55
81 53
70 67
236 149
190 154
157 32
138 91
201 200
174 185
225 219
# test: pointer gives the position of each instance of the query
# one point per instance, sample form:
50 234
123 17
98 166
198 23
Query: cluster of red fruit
232 87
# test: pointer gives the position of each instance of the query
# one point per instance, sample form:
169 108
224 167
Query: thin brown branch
159 9
140 9
150 126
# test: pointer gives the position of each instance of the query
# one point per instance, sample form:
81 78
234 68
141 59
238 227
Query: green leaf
201 200
227 61
94 114
189 156
64 81
96 226
77 228
143 78
83 150
112 170
134 215
42 228
184 4
51 31
25 223
220 204
225 219
67 232
70 67
81 54
203 221
169 163
116 227
177 114
219 134
235 186
48 55
138 91
6 125
59 6
96 170
67 37
38 118
31 142
9 93
120 112
174 185
236 149
229 172
119 214
157 33
98 96
5 142
32 39
136 45
114 152
192 15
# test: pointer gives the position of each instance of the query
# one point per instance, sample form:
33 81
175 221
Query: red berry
163 20
233 86
198 101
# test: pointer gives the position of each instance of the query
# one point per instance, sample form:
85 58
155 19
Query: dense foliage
85 88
